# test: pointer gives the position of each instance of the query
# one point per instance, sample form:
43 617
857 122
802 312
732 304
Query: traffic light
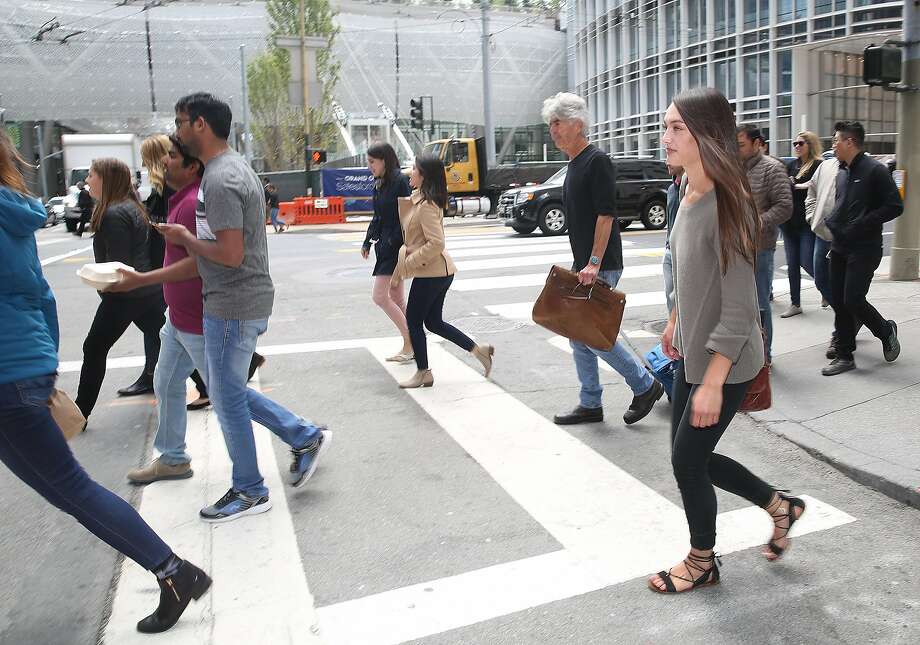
881 65
417 113
315 157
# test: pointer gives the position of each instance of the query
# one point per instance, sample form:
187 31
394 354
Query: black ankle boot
143 385
187 583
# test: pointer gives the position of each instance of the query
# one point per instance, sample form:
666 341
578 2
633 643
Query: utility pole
247 138
905 248
40 135
396 38
304 75
487 86
153 98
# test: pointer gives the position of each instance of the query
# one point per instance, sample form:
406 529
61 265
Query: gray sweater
715 312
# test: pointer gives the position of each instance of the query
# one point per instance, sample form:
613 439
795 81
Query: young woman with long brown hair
31 444
122 231
386 235
713 332
153 149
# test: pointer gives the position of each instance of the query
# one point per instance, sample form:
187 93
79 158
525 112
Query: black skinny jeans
697 467
113 317
425 309
851 276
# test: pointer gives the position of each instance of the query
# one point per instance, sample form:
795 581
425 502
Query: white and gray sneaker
793 310
234 505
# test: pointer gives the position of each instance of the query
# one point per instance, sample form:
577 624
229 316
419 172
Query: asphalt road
436 488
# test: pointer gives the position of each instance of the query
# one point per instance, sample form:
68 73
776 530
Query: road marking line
255 561
63 256
42 243
267 350
580 503
564 259
480 251
539 279
522 310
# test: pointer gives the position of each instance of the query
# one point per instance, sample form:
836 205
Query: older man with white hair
589 196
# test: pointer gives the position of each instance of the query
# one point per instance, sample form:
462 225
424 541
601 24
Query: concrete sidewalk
865 422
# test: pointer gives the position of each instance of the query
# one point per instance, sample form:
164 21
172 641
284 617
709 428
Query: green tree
277 125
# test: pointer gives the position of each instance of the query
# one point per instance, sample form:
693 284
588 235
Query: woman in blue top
31 444
386 231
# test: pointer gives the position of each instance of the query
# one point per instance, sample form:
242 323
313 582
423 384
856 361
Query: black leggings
697 467
113 317
425 309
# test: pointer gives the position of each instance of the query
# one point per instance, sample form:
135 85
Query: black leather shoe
579 415
831 352
839 366
257 361
891 346
176 592
643 403
143 385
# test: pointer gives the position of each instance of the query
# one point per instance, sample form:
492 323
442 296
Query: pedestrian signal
881 65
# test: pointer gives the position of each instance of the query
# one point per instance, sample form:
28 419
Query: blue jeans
764 279
667 270
274 215
800 254
180 354
618 357
33 448
822 268
228 348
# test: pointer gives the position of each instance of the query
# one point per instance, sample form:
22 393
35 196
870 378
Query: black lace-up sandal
785 510
707 567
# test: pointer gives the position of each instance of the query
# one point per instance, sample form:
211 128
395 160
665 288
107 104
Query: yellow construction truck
475 188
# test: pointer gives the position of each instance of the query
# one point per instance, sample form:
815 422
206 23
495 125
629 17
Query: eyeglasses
799 143
179 122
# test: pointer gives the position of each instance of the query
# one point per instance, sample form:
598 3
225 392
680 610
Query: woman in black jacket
121 230
798 238
385 230
153 151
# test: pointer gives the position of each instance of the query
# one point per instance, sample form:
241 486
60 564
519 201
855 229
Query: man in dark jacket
85 205
773 196
866 198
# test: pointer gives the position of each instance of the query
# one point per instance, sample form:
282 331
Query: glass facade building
785 65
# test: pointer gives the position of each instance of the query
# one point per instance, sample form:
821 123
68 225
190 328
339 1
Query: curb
891 480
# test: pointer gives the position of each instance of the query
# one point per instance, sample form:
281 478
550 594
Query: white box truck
79 152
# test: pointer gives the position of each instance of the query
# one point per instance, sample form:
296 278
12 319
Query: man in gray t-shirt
232 257
231 198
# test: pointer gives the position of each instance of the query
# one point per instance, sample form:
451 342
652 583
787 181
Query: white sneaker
793 310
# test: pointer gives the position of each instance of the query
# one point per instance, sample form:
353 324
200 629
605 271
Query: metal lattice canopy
98 77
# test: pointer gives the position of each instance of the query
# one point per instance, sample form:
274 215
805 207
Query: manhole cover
486 324
656 326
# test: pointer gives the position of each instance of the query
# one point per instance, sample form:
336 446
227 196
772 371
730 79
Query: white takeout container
100 275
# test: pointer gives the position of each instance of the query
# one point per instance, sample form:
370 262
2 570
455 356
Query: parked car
641 192
55 208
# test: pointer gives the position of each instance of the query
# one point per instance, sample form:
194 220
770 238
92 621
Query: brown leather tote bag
591 315
759 396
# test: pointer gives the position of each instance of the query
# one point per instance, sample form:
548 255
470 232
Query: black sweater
122 236
866 198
